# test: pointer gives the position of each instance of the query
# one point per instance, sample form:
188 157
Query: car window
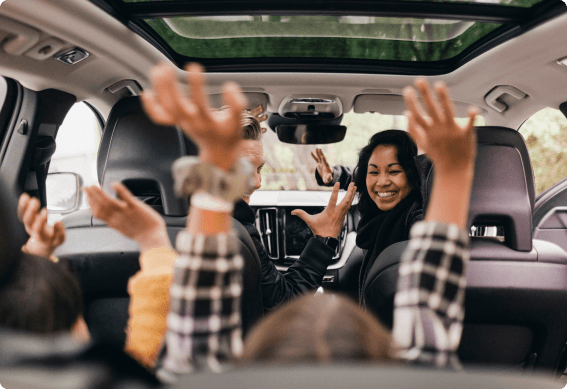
77 145
545 133
291 167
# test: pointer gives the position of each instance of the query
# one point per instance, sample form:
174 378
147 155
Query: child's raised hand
450 146
216 133
44 239
129 216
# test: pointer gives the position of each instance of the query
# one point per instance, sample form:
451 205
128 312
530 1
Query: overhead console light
72 56
311 107
562 62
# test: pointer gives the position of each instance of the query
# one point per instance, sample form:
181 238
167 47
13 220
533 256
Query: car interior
309 65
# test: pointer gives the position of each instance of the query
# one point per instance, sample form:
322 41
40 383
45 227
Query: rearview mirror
311 134
64 192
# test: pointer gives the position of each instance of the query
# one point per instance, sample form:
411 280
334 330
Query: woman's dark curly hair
407 150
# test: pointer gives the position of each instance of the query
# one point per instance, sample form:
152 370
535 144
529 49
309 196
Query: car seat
516 297
138 153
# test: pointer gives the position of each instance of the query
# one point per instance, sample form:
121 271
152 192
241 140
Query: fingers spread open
446 104
196 83
415 107
315 157
166 90
416 131
124 193
334 196
349 197
155 111
30 213
428 99
300 213
324 159
233 97
58 234
472 112
22 204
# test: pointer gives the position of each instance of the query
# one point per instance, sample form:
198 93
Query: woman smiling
387 177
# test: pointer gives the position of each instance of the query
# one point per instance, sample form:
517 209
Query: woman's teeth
385 194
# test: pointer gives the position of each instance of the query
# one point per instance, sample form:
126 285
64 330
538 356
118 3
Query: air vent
267 223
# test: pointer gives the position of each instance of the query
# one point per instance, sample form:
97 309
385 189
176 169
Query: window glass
546 137
319 36
291 167
77 145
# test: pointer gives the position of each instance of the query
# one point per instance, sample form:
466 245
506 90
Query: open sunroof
408 36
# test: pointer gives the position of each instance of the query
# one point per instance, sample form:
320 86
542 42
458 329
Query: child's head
38 295
319 329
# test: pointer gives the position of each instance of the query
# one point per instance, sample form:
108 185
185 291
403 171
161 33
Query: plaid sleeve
429 302
203 323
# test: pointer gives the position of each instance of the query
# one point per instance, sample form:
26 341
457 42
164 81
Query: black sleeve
342 174
305 275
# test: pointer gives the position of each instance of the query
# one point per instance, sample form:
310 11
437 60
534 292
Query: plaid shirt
204 314
429 302
203 324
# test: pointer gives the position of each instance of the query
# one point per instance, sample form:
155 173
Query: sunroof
514 3
344 37
385 36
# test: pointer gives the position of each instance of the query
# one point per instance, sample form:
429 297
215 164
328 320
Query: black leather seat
138 153
516 299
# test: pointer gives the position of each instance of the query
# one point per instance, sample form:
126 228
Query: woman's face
386 181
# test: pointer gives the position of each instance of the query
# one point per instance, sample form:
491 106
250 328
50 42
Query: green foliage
546 136
392 47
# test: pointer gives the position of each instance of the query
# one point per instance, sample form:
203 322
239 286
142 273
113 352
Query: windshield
291 167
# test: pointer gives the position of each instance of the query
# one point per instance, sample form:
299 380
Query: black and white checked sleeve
203 323
429 301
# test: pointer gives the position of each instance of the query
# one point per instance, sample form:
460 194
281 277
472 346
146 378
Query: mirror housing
311 134
64 192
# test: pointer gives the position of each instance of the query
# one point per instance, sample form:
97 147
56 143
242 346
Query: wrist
223 159
152 239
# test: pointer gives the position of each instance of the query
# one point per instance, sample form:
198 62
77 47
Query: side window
545 133
77 145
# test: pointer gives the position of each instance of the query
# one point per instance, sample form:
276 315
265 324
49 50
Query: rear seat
516 301
138 153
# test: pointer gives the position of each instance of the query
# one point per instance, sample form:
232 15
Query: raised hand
215 133
44 239
129 216
450 146
257 113
330 221
325 170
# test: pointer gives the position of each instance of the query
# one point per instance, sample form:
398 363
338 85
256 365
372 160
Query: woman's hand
329 222
325 170
44 239
129 216
450 146
257 113
215 133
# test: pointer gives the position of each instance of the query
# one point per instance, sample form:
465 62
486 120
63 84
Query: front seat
138 153
516 297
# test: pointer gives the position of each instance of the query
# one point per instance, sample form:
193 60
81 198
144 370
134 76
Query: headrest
12 236
139 153
503 191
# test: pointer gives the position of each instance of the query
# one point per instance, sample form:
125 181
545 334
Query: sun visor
394 105
254 100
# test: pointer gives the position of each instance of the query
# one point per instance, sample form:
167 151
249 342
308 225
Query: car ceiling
527 62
